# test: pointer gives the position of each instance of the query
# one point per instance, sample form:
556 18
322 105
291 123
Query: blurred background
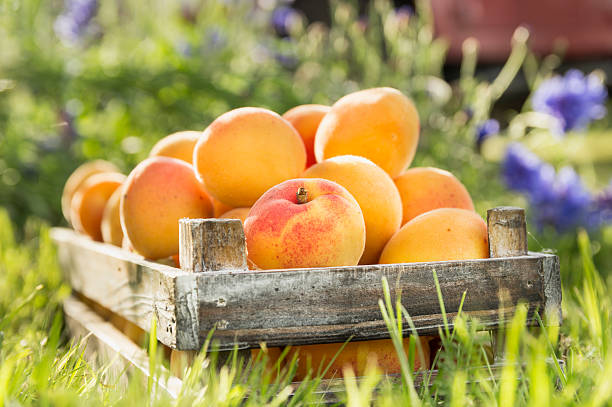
512 95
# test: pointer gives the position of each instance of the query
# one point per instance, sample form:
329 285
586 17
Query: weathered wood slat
299 306
105 344
130 286
331 304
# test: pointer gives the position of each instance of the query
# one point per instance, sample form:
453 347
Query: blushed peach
245 152
157 193
87 206
78 177
438 235
424 188
305 223
380 124
306 119
374 191
178 145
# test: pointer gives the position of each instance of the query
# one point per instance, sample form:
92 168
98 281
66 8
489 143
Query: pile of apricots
319 186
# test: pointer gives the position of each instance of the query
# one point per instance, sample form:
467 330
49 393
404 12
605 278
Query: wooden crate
214 288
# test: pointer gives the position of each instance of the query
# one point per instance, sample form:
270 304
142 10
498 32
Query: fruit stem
301 195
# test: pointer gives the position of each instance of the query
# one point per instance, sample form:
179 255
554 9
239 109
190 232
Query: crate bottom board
105 343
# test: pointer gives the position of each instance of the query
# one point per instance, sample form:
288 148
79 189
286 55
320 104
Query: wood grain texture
105 342
507 230
132 287
211 245
301 306
331 304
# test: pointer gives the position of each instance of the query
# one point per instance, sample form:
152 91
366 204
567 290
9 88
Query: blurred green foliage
142 71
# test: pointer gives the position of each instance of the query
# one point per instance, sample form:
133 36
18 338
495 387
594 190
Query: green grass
39 365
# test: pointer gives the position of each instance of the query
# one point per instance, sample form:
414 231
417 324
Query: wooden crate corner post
507 229
207 245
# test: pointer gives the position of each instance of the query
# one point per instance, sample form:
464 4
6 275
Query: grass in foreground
38 366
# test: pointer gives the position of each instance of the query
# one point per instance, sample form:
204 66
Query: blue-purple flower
574 99
557 199
485 130
72 23
283 19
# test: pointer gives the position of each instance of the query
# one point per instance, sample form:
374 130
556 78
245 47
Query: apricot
245 152
219 208
306 119
111 220
305 223
87 206
438 235
374 191
272 356
236 213
424 188
177 145
380 124
355 355
157 193
78 177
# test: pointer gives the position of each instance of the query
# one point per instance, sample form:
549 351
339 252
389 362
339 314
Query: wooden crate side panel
129 286
331 304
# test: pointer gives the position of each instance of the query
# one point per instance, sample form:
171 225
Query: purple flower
574 99
72 23
485 130
403 13
283 18
557 199
601 212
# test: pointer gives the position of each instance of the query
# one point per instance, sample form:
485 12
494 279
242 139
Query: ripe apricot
438 235
424 188
245 152
380 124
78 177
236 213
305 222
306 119
111 220
374 191
89 201
157 193
177 145
355 355
219 208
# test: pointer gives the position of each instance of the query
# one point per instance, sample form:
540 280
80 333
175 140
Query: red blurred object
585 26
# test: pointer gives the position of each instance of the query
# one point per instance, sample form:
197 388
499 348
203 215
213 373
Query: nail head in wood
211 245
507 231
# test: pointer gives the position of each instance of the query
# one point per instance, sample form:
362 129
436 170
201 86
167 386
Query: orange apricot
111 220
306 119
438 235
177 145
87 206
245 152
78 177
219 208
380 124
236 213
424 188
374 191
157 193
355 355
